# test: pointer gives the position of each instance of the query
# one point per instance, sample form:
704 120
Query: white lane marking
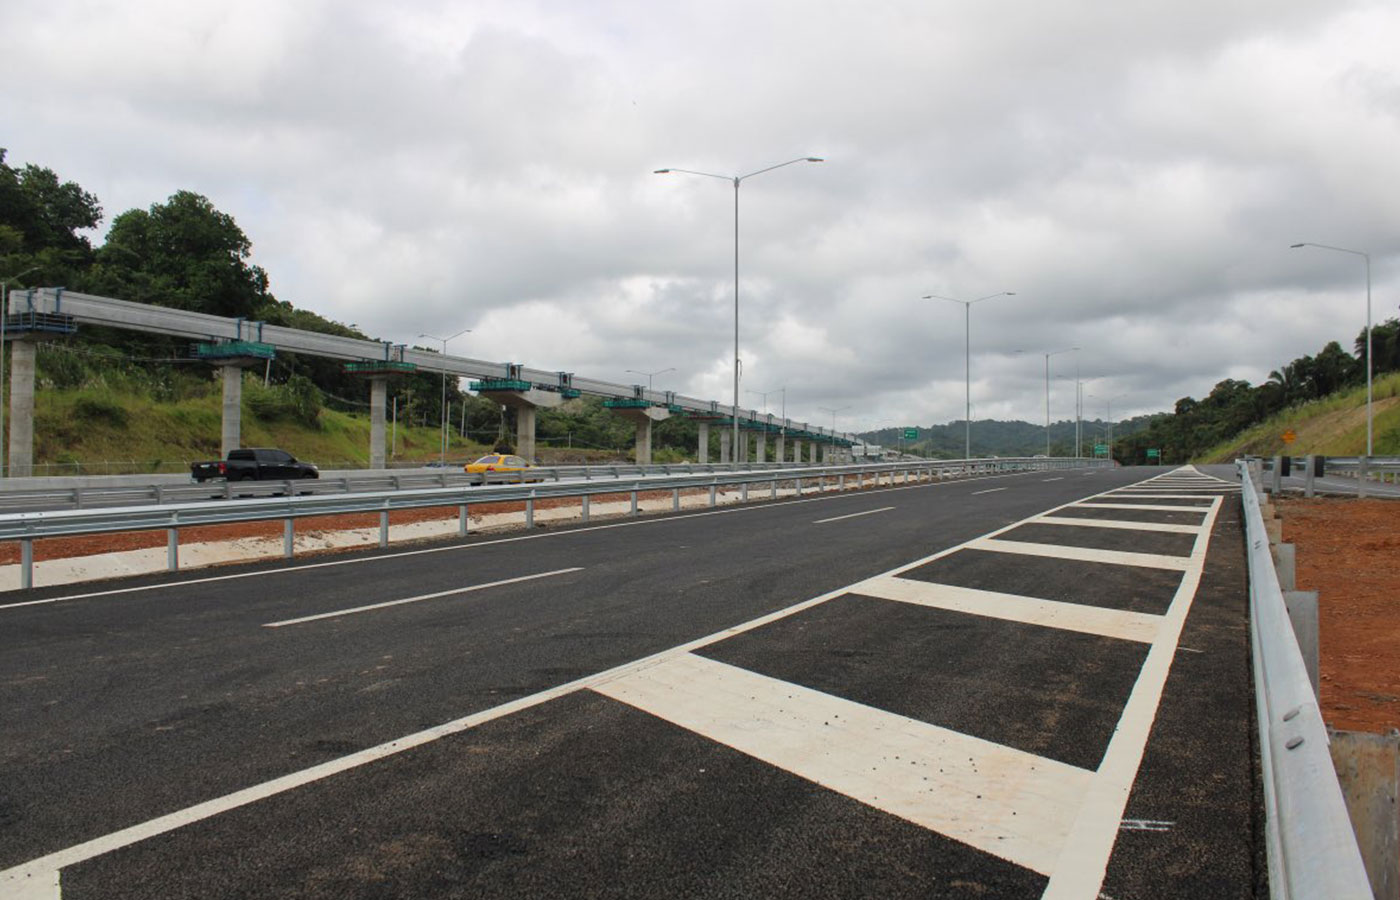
39 886
1114 623
1158 507
1003 801
1048 480
387 603
853 515
1082 554
1079 872
1190 650
360 560
1145 825
1117 525
987 491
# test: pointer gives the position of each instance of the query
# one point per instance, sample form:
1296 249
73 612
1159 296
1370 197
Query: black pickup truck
255 464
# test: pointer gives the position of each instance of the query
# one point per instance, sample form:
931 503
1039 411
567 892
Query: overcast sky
1135 171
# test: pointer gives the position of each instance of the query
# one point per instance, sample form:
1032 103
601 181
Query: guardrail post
172 549
799 486
26 564
288 537
530 509
773 488
1368 767
462 520
583 509
841 481
1285 563
384 528
744 492
676 500
713 492
634 500
1363 471
1276 483
1302 613
1310 476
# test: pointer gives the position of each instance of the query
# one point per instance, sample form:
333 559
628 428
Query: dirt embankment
1348 551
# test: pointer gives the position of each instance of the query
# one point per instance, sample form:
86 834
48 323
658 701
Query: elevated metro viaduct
233 344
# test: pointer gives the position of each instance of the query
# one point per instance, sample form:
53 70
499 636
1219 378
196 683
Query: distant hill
993 437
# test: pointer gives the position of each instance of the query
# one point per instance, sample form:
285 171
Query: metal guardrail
27 527
1312 850
137 493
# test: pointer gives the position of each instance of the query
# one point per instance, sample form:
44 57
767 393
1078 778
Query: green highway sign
911 434
1100 449
1153 453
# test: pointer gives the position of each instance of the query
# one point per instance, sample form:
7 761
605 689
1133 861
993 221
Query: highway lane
167 696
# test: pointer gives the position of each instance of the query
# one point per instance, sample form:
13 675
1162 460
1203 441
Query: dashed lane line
867 512
987 491
1000 800
335 614
1114 623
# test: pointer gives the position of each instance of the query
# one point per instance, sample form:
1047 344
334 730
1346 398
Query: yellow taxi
497 462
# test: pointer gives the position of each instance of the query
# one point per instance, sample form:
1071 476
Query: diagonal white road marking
1003 801
1114 623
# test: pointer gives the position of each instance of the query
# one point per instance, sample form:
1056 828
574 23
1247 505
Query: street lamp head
815 159
1296 246
661 171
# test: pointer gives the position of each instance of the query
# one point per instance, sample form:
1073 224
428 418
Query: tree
40 221
184 254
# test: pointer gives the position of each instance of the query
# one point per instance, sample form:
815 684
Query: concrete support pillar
378 396
761 451
231 431
743 454
797 451
779 451
525 431
813 445
21 409
826 454
724 437
643 453
702 452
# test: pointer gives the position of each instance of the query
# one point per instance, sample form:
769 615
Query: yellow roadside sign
1290 436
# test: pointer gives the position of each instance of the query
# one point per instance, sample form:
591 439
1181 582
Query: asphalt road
903 692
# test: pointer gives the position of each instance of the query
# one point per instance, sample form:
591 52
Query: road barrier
27 527
1312 850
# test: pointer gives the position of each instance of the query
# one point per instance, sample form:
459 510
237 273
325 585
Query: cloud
1134 171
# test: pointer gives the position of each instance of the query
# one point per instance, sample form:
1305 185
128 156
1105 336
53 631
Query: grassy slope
1334 426
101 430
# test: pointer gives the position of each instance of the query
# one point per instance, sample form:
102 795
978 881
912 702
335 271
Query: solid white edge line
359 560
987 491
853 515
1080 870
464 590
50 864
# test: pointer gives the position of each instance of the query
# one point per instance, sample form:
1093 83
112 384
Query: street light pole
4 320
967 359
443 407
651 375
833 415
1047 392
736 180
1367 257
